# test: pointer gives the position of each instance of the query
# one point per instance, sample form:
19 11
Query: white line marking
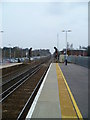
29 115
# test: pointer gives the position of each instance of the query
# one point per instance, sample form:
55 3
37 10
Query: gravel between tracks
12 106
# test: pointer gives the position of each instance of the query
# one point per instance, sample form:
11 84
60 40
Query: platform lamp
10 51
1 31
66 31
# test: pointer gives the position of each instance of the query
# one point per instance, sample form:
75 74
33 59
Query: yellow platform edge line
69 105
72 98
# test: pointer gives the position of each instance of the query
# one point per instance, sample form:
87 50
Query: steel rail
31 96
9 73
17 76
6 75
17 86
7 92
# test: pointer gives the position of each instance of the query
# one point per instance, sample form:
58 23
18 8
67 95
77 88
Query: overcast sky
36 24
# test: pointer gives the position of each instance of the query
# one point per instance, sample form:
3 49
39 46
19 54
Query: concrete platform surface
8 65
77 79
63 93
48 105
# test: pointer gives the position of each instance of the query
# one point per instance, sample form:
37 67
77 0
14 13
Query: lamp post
14 54
57 41
10 51
66 31
1 31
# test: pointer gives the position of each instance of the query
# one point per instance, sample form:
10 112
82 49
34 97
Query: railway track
11 72
12 76
16 99
12 84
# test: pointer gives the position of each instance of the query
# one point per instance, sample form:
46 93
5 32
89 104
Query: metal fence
80 60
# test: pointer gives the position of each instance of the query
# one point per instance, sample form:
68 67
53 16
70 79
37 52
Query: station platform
8 65
55 98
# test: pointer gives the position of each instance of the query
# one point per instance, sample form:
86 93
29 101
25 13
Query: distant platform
8 65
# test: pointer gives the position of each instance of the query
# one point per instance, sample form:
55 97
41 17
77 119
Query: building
81 52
